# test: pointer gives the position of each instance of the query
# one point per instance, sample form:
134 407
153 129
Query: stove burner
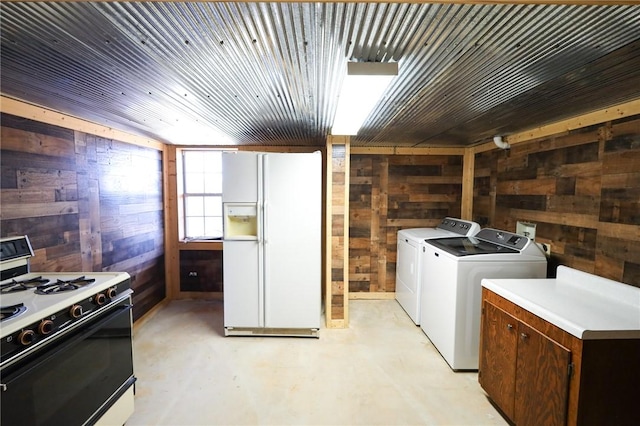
62 286
23 285
7 312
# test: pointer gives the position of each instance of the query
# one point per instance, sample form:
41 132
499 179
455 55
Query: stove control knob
112 292
75 311
100 299
45 327
26 337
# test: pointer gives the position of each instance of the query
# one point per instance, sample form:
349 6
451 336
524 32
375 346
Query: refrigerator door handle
264 276
261 210
265 210
265 198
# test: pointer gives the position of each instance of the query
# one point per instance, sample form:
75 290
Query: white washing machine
452 270
408 260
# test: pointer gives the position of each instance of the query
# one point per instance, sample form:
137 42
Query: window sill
200 245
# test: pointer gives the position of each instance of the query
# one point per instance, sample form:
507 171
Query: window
202 194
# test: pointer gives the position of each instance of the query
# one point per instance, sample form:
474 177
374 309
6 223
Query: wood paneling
337 308
388 193
88 204
51 120
201 270
582 189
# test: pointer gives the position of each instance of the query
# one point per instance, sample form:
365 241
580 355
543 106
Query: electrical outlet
527 229
546 247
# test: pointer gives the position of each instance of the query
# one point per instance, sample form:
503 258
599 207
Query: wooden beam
44 115
430 151
200 245
337 244
468 168
407 151
615 112
373 151
345 248
608 114
373 295
328 202
171 251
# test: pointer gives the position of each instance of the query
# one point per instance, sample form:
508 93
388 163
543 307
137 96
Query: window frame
184 195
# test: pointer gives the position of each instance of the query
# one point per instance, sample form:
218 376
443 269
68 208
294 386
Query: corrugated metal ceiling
269 73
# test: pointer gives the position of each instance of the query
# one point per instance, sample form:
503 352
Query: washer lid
469 246
418 235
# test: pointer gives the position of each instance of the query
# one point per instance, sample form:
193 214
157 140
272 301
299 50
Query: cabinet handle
524 336
510 326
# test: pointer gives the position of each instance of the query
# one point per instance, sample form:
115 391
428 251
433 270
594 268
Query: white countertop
582 304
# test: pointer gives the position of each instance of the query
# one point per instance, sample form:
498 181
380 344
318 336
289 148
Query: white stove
71 325
37 305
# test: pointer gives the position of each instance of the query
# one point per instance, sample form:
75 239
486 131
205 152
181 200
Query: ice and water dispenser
240 221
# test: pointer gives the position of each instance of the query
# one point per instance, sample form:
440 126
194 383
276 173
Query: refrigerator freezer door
292 240
240 180
243 293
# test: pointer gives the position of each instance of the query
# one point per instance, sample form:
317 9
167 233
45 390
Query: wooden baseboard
376 295
336 323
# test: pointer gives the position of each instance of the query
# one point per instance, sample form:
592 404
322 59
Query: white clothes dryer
452 271
408 259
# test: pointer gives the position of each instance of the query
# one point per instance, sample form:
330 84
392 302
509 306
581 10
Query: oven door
75 379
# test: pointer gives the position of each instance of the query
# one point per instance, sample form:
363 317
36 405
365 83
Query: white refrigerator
272 207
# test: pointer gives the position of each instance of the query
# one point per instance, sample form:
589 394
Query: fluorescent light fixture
362 88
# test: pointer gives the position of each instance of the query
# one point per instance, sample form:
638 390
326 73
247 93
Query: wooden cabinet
538 374
524 372
498 353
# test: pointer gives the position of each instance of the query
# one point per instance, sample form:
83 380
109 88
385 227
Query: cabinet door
542 382
498 344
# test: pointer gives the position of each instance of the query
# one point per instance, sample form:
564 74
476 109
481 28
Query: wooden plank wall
201 271
87 203
389 193
581 188
337 291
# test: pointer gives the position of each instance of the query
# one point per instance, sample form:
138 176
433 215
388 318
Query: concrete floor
382 370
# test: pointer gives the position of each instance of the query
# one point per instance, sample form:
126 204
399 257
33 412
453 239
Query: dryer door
407 290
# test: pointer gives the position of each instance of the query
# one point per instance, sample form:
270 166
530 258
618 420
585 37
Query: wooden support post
468 168
171 250
337 245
